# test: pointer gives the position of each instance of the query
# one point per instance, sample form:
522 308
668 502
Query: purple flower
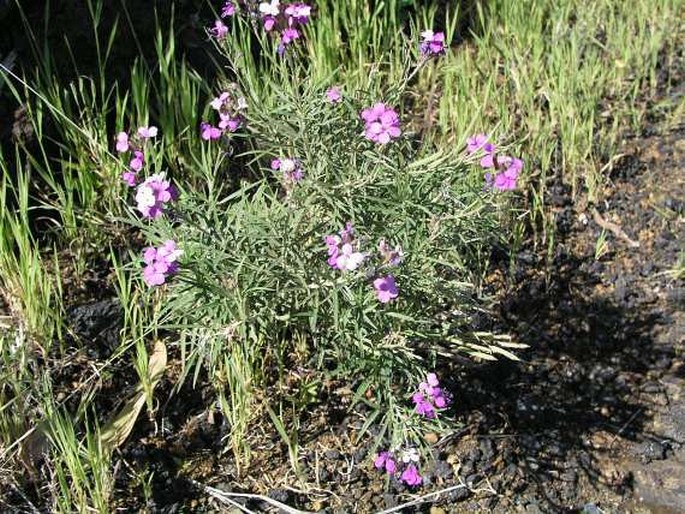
382 124
209 132
423 407
299 12
333 248
410 476
219 30
506 180
228 123
122 142
488 160
334 95
475 143
385 460
287 36
430 397
433 43
230 104
228 9
161 262
138 161
269 22
386 289
129 177
147 132
153 194
345 257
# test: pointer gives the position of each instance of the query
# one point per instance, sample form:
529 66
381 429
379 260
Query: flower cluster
381 123
134 144
506 169
284 20
430 397
231 106
219 30
291 169
341 250
153 194
160 263
344 255
432 43
410 474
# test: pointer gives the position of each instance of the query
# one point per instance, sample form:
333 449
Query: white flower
410 455
270 9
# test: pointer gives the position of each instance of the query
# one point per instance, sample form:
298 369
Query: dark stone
280 495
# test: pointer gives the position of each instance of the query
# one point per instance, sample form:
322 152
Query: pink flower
410 476
228 123
228 9
506 180
209 132
291 168
429 397
153 194
488 161
219 30
147 132
385 460
423 407
129 177
269 22
386 289
334 95
433 43
382 124
161 262
299 12
138 161
475 143
122 142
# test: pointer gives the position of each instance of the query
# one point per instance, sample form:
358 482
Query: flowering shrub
268 272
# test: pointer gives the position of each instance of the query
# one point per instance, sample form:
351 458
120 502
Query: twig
625 425
613 228
225 497
423 498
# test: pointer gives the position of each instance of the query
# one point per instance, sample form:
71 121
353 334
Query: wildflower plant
351 248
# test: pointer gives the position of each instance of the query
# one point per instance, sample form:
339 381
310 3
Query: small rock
332 454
